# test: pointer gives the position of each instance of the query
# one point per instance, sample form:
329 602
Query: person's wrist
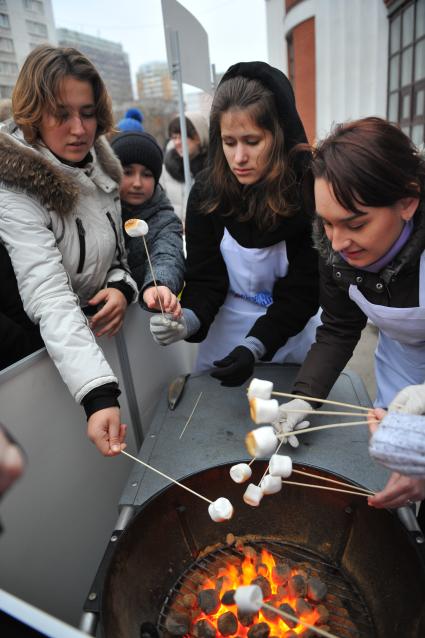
191 320
255 346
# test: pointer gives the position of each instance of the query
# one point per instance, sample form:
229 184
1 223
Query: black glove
236 368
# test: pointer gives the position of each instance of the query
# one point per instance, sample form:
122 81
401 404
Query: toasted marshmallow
221 510
271 484
240 472
248 598
260 388
264 410
261 441
253 495
280 465
136 227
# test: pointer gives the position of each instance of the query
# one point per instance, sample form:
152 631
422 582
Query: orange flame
232 578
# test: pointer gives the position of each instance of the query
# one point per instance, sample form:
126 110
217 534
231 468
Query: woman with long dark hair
369 192
252 277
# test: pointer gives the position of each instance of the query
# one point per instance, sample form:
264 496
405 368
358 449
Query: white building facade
24 24
351 59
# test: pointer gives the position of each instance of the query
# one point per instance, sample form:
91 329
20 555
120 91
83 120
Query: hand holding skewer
155 295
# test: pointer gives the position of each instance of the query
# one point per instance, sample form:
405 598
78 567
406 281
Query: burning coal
205 607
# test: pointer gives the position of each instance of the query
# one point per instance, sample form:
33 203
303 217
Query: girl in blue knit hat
143 198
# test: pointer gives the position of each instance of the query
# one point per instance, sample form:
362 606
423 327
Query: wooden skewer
268 465
204 498
321 427
190 416
329 480
319 412
299 396
286 616
326 487
321 478
153 275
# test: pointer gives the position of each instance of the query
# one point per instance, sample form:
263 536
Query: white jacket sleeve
119 270
48 297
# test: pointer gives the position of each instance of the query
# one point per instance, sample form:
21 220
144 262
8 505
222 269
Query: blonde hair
39 84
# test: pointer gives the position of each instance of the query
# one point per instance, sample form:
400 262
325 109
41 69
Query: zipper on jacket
114 228
82 238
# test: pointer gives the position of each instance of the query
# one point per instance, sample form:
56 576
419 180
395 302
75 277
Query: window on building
406 69
8 68
6 44
5 91
36 28
36 6
4 21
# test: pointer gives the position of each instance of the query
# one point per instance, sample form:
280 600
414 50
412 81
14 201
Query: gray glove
165 330
410 400
291 421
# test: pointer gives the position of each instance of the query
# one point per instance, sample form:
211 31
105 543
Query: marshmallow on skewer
264 410
261 441
260 388
240 472
253 495
220 510
271 484
248 598
280 466
136 227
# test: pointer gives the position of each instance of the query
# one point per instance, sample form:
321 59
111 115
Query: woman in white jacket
60 223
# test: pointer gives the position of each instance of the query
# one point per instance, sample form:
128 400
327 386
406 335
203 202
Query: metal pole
177 76
213 77
127 374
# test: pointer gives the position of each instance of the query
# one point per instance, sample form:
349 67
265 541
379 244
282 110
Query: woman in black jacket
369 190
252 278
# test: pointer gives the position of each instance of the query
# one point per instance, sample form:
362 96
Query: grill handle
408 518
93 604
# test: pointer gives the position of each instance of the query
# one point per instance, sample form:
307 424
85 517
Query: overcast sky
236 28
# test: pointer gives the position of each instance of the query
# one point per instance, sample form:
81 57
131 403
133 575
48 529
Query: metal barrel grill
368 558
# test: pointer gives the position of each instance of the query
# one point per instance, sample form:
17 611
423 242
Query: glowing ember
205 605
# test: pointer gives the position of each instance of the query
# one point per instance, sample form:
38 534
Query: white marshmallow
240 472
136 227
253 495
271 484
280 466
261 441
264 410
260 388
248 598
221 510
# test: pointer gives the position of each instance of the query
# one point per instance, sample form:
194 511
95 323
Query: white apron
400 353
250 271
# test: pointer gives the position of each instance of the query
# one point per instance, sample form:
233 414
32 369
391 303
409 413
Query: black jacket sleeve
206 274
19 337
295 296
336 338
17 341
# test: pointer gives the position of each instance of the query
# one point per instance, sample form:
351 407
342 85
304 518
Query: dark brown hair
369 162
39 85
174 128
276 193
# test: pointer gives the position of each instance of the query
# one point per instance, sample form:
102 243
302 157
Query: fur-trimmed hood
24 168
